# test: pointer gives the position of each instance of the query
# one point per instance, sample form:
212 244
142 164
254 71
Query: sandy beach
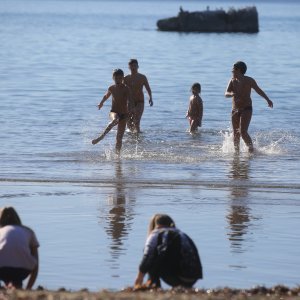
257 293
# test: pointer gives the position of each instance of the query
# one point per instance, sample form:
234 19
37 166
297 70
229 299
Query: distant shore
257 293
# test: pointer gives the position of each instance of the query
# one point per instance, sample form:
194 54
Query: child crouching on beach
119 108
195 110
170 255
19 258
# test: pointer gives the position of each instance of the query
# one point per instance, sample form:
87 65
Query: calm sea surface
89 209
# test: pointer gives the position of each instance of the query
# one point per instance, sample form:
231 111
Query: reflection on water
118 218
239 215
239 168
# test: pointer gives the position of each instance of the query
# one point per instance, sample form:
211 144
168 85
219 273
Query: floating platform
234 20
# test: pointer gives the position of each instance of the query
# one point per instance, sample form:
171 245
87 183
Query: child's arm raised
260 92
105 97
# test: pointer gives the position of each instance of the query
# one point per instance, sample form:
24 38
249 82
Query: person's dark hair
118 72
133 61
160 220
196 85
9 216
241 66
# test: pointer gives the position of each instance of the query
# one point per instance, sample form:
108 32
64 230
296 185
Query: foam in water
228 146
205 147
110 153
273 147
266 143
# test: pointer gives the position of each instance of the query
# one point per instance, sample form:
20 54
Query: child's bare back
195 107
195 110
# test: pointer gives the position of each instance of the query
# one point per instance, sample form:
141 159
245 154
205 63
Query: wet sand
243 234
257 293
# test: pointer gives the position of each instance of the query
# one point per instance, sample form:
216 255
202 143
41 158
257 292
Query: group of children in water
128 103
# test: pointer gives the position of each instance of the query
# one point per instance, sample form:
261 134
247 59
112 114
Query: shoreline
256 293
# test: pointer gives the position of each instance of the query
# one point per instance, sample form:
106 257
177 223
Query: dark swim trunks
121 116
240 111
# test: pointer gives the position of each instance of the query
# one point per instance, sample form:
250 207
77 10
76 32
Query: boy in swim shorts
239 89
136 82
119 108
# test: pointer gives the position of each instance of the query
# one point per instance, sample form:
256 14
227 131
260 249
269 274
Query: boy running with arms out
239 89
136 81
119 108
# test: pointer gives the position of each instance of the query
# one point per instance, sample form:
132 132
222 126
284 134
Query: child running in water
195 110
239 89
136 82
119 108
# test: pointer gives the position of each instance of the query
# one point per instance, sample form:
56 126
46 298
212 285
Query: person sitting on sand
239 89
119 108
169 254
18 251
195 110
136 81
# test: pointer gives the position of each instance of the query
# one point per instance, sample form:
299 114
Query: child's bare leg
235 120
120 133
245 122
133 123
114 122
194 125
139 113
130 121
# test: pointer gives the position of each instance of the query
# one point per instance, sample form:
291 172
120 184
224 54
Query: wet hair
196 85
240 65
160 220
9 216
133 61
118 72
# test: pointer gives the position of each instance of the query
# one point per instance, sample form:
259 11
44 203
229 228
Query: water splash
188 150
109 153
228 146
273 147
271 143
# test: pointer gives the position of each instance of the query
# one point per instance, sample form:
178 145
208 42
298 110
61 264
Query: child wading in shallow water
239 88
136 82
119 108
195 111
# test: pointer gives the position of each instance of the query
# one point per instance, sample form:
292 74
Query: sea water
90 209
